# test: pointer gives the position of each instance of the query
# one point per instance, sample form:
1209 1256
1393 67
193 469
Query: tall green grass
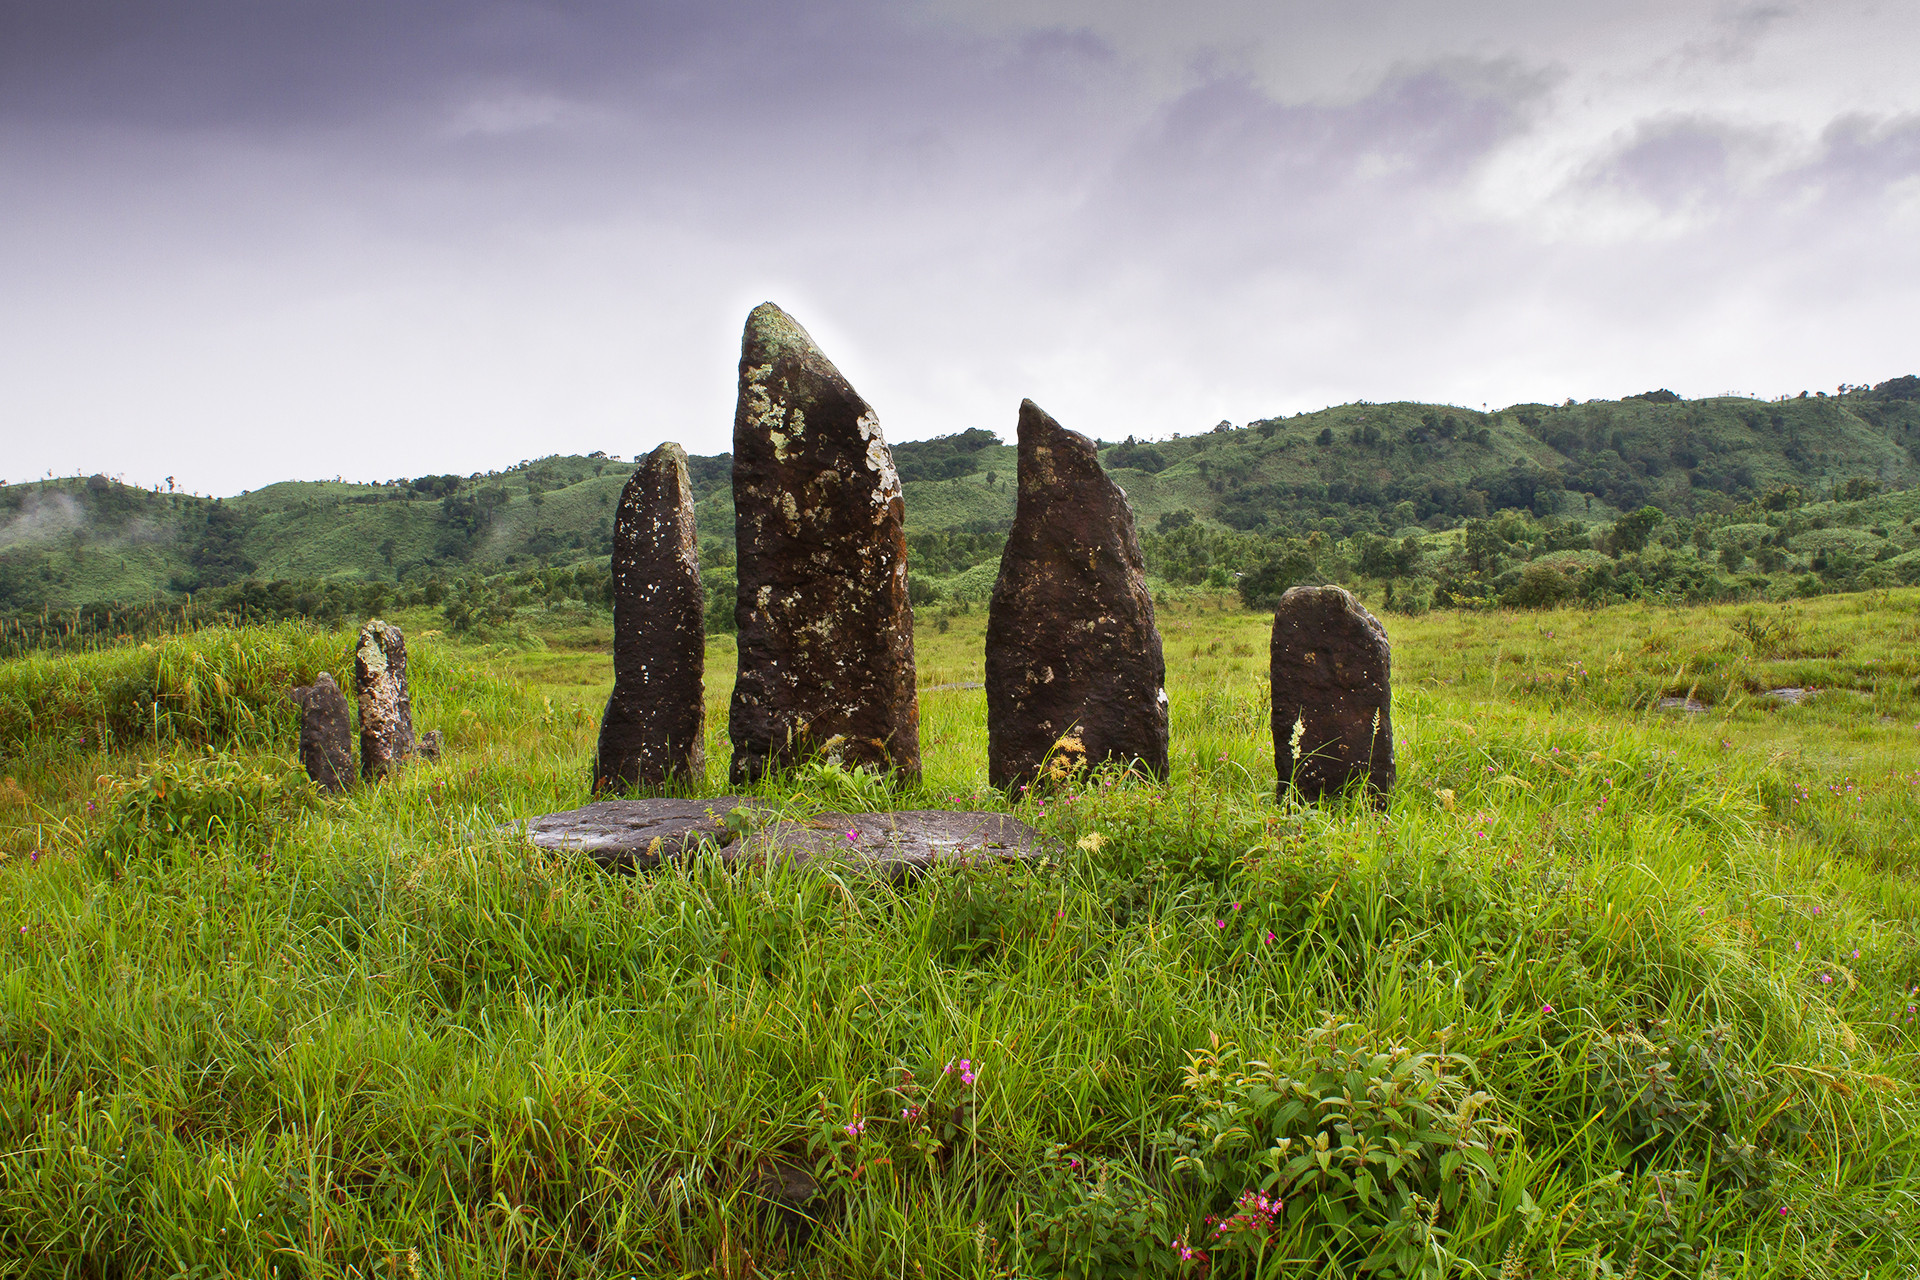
1594 993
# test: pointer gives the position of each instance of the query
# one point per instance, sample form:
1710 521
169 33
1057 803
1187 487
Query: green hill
1213 505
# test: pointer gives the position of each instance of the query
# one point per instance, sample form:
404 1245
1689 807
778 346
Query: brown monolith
1332 695
652 729
386 706
826 632
1075 674
326 734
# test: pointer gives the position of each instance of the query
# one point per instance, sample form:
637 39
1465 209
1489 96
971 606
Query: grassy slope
318 529
374 1034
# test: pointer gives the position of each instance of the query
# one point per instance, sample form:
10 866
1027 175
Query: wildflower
1856 953
856 1128
1783 1211
1796 944
1219 924
1269 935
1236 907
1546 1008
852 835
1826 979
1816 911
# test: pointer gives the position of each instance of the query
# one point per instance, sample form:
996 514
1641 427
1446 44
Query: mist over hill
1452 504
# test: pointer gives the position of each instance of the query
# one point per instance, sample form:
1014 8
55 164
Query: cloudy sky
251 240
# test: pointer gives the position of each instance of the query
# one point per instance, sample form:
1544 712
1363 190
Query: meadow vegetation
1620 981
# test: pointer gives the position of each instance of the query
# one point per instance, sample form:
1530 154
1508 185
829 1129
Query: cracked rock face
1075 674
326 734
386 706
1332 695
652 728
826 632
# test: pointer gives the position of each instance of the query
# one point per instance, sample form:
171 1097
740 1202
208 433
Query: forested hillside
1438 504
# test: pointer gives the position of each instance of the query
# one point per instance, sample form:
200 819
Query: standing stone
386 707
1075 675
326 734
654 720
826 632
1332 690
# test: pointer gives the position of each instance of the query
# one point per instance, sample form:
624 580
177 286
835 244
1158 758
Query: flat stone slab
900 843
634 835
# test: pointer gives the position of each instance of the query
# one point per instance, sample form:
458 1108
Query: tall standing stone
1332 694
826 632
386 706
326 734
653 724
1075 675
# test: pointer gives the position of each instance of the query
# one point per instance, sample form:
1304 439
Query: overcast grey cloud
247 241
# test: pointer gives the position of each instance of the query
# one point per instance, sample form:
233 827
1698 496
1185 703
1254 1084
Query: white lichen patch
879 459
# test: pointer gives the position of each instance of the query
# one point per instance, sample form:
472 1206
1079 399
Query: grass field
1608 988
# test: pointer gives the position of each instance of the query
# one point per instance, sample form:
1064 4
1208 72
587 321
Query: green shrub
1091 1218
1364 1143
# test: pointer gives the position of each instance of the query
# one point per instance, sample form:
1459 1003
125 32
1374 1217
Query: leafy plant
1088 1218
1364 1141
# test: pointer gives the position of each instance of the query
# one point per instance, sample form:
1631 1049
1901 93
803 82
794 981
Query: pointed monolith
386 705
326 734
1075 675
1332 695
653 727
826 632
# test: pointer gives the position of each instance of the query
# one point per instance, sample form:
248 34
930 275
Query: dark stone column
652 729
1075 674
386 706
326 734
1332 694
826 632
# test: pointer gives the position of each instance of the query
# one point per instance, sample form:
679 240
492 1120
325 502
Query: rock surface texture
628 835
826 632
652 728
1075 674
386 707
1332 694
326 734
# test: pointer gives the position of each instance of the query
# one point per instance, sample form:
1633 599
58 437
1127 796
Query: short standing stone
826 632
386 706
1075 674
654 721
326 734
1332 690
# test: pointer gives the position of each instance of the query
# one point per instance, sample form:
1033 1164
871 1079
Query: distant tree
1171 520
1630 532
1325 437
1287 564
